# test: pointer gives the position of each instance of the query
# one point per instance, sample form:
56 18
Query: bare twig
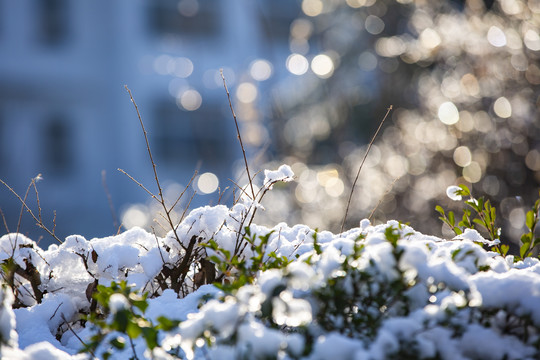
39 220
109 198
159 247
238 134
185 211
55 311
4 220
37 194
221 193
133 348
54 221
241 190
361 165
382 198
180 271
19 221
147 142
160 198
185 189
138 183
86 347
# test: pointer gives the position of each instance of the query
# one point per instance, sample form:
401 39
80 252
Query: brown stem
178 274
361 165
238 134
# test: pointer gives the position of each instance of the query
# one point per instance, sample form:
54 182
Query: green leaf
118 342
479 222
121 321
316 246
451 218
523 250
504 249
133 330
439 209
140 304
529 220
227 253
150 336
526 238
166 323
480 204
464 190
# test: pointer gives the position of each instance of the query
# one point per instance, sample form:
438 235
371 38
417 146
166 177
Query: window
53 21
190 138
57 149
178 17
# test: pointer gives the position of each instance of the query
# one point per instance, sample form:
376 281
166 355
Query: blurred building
64 111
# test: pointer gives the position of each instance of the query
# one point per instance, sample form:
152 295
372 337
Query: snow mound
374 292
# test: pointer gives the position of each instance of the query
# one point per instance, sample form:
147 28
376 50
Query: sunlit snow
471 278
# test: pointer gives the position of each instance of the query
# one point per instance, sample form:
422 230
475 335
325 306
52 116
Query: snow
459 299
283 173
8 335
451 192
118 302
474 235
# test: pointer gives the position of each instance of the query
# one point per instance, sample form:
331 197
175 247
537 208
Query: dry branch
361 165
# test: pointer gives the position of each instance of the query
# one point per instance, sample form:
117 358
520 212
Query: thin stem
238 133
147 142
4 220
133 348
138 183
87 348
361 165
382 198
25 206
185 189
161 199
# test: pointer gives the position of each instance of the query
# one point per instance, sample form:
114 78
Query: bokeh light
502 108
374 25
467 82
189 100
297 64
496 37
462 156
246 92
323 66
260 70
207 183
312 7
135 215
448 113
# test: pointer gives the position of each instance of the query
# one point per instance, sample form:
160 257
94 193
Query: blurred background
310 81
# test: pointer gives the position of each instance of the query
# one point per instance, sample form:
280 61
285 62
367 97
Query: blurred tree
464 79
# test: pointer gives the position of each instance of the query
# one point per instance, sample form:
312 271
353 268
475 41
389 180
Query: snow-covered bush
373 292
